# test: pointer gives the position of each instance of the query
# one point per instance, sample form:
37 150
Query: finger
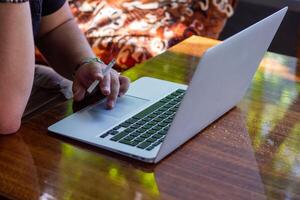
114 89
124 85
78 90
97 73
98 76
105 85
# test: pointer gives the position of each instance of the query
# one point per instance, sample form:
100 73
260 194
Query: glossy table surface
252 152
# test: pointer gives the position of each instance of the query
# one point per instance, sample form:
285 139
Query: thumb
78 90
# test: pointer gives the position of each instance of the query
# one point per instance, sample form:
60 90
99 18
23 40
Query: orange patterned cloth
132 31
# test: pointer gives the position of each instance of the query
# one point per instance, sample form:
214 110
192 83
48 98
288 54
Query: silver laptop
155 117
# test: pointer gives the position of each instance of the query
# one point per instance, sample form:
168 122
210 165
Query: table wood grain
252 152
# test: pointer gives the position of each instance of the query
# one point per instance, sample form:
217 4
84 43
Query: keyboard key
147 119
113 132
151 132
167 106
145 135
161 117
117 127
157 136
163 124
171 116
173 109
161 140
178 99
180 96
129 130
174 95
164 116
164 100
180 91
125 124
151 123
157 120
135 126
134 143
128 138
152 116
168 113
151 140
147 127
142 122
160 126
163 132
173 102
160 135
131 120
168 120
118 136
139 139
156 128
144 145
157 143
104 135
158 112
123 141
134 134
169 97
163 109
150 148
140 130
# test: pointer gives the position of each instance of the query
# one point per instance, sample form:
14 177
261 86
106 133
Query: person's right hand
111 85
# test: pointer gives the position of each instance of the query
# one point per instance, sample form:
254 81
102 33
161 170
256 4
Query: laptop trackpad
124 106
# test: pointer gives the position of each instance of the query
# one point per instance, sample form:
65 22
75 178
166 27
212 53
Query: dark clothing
39 8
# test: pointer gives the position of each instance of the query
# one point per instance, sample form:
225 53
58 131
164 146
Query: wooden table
253 152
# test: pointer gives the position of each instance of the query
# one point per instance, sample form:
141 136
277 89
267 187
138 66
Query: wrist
87 61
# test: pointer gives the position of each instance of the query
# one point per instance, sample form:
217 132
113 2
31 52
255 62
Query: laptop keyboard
148 128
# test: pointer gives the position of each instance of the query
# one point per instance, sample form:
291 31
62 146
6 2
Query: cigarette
105 71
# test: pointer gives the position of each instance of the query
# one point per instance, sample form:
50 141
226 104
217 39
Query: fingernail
106 92
110 105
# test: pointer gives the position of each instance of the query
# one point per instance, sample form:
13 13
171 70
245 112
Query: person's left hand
111 85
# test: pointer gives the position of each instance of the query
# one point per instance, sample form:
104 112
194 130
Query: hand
111 85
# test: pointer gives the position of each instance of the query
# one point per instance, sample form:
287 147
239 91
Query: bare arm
16 64
62 43
64 46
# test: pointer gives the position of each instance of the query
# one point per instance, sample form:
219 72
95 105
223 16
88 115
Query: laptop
156 117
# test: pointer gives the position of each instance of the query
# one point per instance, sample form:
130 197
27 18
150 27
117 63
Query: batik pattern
133 31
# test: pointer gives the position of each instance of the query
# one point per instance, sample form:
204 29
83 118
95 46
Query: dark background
287 40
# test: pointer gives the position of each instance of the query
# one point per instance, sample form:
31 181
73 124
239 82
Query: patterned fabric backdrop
133 31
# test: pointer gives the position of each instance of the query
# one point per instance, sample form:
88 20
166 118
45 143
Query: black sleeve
50 6
13 1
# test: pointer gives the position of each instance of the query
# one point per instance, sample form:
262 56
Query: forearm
65 47
16 64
